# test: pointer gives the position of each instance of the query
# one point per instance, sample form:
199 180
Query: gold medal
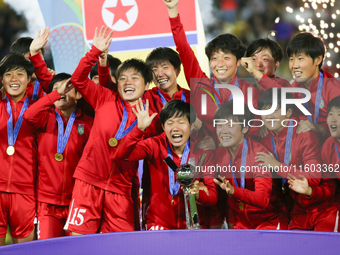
241 206
58 157
172 201
10 150
113 142
283 189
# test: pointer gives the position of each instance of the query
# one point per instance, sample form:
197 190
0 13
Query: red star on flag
120 12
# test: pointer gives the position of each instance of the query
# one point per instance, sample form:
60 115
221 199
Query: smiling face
333 121
230 135
15 83
165 76
224 65
303 67
131 85
273 121
177 130
68 101
265 62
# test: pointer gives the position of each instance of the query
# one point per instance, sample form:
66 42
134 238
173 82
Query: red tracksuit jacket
55 179
192 70
154 150
45 78
261 196
18 172
99 164
331 89
305 151
271 82
40 68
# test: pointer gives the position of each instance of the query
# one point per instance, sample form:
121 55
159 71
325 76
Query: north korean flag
137 24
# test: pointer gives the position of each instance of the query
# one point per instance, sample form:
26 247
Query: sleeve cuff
53 96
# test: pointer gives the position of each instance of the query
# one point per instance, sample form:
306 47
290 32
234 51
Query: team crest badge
80 128
192 161
322 103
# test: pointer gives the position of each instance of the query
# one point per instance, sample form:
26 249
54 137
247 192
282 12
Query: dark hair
265 43
113 64
137 64
227 43
266 99
94 71
16 62
163 54
59 77
22 46
335 102
308 44
177 108
226 111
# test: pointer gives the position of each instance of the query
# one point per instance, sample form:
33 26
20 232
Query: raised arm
40 68
104 72
190 63
37 113
92 93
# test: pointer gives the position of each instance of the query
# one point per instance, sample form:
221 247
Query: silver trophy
185 176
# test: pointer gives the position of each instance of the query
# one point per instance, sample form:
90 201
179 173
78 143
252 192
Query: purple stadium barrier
231 242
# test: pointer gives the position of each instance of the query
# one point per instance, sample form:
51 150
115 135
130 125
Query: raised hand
39 41
172 7
171 3
300 186
263 131
266 159
195 189
196 126
52 71
143 117
102 40
65 87
225 185
207 144
250 66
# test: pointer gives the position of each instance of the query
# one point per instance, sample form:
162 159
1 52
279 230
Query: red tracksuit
45 78
331 89
264 207
193 70
271 82
55 179
99 165
305 152
165 211
18 173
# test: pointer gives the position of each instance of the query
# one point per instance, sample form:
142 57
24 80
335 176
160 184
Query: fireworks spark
321 17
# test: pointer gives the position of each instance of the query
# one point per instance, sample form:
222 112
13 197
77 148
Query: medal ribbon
317 101
243 164
287 146
63 138
121 132
217 98
337 151
13 134
174 187
36 89
183 98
